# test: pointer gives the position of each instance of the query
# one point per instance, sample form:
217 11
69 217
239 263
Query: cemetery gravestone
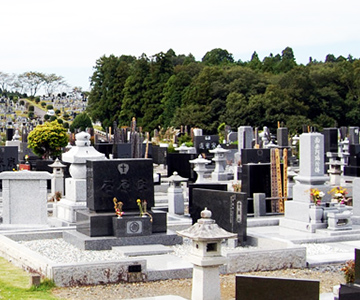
8 158
180 163
209 186
204 143
245 137
330 139
125 179
230 208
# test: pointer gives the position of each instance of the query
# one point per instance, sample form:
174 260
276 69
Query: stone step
155 249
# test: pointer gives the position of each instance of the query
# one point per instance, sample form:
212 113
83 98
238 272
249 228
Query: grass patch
15 284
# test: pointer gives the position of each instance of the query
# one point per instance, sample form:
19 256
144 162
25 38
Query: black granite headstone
105 148
255 156
180 162
125 179
229 209
122 151
159 155
282 136
330 139
9 133
204 143
270 288
208 186
256 178
8 158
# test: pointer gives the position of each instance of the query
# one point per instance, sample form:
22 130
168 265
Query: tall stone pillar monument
311 175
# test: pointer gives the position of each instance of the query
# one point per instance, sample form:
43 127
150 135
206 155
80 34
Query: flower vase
316 214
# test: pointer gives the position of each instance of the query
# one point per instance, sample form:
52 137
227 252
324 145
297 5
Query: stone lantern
75 187
206 256
199 167
57 181
175 194
220 162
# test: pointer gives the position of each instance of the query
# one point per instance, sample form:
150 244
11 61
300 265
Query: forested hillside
172 90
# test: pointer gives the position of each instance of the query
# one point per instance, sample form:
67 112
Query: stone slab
156 249
270 288
84 242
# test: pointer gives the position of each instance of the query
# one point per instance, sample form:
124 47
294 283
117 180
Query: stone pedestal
175 194
132 226
24 197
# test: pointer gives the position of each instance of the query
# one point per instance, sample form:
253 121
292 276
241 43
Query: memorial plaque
229 209
125 179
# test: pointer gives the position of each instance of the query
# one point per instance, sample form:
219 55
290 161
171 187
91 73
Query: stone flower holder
316 214
128 226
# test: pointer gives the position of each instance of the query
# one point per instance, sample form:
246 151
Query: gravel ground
60 251
329 276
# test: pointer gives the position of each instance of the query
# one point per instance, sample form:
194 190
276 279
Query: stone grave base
85 242
65 210
94 224
303 226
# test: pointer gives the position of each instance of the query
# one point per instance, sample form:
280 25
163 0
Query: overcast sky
67 37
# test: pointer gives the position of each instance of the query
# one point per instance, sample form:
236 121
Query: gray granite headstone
245 137
354 135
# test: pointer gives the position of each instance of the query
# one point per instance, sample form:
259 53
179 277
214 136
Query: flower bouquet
316 196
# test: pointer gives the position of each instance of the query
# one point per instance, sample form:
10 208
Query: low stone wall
266 260
129 269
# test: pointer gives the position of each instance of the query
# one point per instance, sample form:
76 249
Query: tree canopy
173 90
48 139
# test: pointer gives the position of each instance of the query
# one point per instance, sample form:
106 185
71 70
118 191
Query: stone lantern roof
206 229
82 151
219 150
57 164
200 160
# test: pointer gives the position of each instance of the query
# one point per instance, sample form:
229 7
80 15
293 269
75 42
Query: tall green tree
107 82
48 139
217 56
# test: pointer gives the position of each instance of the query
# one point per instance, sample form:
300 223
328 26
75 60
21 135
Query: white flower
321 194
